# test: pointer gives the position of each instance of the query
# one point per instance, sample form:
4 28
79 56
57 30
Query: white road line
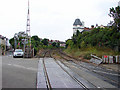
34 69
19 66
9 64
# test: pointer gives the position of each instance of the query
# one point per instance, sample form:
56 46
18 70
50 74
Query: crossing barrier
111 59
105 59
117 59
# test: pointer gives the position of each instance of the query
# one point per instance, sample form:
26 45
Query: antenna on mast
27 49
28 26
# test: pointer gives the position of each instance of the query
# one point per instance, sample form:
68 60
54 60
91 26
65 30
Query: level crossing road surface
68 76
58 77
29 73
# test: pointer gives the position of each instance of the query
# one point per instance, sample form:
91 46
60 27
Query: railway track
69 58
49 86
79 82
46 77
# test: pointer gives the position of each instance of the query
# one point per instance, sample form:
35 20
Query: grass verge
86 52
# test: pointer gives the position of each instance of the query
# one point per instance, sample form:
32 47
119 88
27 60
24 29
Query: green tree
58 44
36 38
70 43
12 42
115 13
54 44
45 42
35 41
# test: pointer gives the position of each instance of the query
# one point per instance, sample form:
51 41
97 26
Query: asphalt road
19 72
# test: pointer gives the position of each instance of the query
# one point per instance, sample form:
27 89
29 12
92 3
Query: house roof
77 22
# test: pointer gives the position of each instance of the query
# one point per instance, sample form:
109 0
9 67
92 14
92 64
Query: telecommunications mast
28 51
28 35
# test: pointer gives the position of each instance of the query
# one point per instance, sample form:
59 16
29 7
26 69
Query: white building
78 25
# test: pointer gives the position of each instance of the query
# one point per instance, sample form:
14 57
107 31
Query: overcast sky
52 19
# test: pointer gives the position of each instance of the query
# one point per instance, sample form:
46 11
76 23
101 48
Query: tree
54 44
115 13
45 42
70 43
36 38
35 41
58 44
12 42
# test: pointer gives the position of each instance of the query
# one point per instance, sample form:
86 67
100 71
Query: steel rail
89 69
46 75
78 81
81 84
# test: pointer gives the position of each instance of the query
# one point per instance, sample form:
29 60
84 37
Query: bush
87 56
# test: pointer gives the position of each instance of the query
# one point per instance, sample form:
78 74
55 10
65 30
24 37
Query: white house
78 25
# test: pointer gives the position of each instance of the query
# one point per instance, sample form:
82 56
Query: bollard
103 59
118 59
106 59
110 59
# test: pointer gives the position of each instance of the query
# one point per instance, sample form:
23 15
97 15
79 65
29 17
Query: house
78 25
62 44
4 42
21 34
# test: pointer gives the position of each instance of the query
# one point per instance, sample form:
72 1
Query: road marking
34 69
9 64
106 73
19 66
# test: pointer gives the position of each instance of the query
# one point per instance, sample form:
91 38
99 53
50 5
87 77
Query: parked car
18 53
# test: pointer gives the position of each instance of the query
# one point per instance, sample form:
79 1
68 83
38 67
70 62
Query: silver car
18 53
